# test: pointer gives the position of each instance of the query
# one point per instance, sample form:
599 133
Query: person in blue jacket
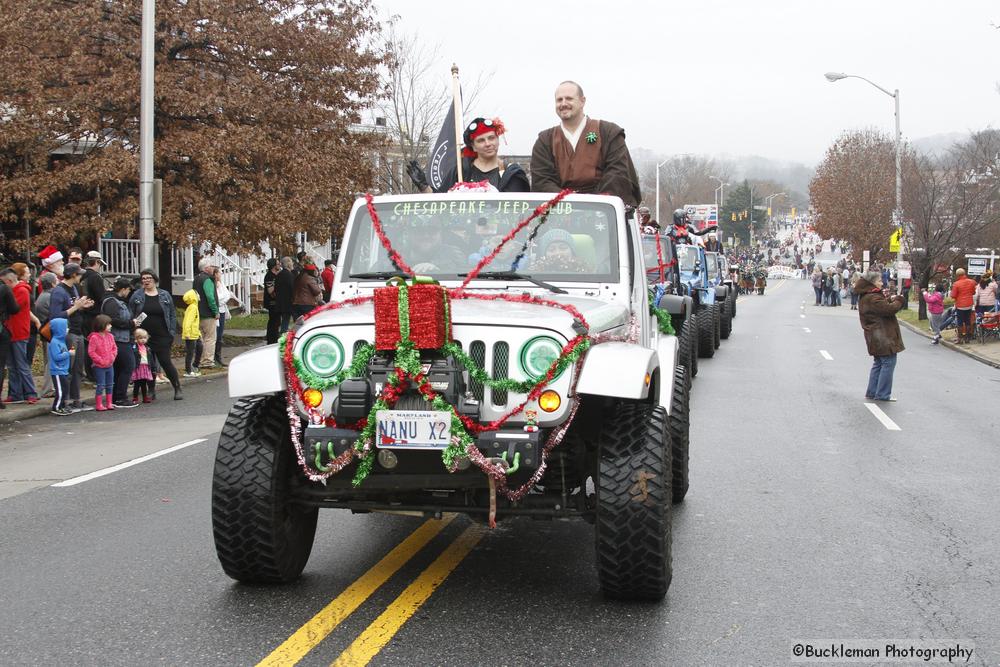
59 363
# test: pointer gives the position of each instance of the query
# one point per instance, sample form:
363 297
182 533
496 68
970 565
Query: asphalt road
807 519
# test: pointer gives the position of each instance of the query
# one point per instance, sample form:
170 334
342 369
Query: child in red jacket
102 349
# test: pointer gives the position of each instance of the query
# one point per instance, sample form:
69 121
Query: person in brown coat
583 154
878 320
307 292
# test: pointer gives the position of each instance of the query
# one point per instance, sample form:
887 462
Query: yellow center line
322 624
382 630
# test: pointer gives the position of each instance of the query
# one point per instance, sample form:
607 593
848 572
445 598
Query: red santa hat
50 255
478 127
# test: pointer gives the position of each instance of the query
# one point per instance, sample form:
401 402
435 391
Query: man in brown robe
585 154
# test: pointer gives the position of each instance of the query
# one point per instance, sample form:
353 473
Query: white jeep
553 393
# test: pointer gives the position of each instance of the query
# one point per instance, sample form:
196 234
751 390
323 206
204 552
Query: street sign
894 239
977 266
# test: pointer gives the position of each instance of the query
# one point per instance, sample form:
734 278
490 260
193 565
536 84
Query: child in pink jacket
102 349
935 306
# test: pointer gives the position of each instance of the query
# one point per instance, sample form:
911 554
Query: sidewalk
988 353
21 411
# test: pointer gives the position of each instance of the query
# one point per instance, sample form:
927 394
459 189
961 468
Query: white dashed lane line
882 417
807 329
121 466
826 355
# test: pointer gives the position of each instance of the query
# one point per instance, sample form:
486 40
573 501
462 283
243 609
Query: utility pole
147 256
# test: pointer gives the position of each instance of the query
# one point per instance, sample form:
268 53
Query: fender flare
618 370
256 372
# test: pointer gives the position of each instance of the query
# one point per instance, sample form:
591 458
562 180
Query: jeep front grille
501 368
477 350
358 344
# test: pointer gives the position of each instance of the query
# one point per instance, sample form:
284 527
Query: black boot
178 395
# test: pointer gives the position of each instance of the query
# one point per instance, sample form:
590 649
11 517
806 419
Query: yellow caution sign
895 239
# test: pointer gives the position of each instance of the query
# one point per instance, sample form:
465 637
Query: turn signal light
549 401
312 397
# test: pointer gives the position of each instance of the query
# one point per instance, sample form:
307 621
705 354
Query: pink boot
107 402
99 402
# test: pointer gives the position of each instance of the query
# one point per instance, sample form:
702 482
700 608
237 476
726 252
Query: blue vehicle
725 293
666 291
693 265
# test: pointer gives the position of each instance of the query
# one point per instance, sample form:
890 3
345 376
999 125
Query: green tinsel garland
663 321
313 381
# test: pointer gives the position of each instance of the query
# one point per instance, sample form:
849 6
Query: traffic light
793 211
734 216
769 211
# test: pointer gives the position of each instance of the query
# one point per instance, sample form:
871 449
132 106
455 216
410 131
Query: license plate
412 429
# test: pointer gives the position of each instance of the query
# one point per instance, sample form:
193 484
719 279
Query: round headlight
323 355
538 354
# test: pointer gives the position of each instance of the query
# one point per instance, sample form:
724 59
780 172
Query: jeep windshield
713 266
445 238
653 257
687 256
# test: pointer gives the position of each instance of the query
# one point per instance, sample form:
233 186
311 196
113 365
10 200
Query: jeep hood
600 315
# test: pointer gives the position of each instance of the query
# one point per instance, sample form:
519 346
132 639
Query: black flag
442 157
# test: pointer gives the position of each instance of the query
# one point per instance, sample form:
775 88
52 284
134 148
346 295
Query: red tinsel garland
539 210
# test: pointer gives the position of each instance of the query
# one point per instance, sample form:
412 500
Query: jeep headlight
323 355
538 354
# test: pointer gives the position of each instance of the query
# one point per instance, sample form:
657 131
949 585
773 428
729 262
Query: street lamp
898 213
720 192
769 199
658 189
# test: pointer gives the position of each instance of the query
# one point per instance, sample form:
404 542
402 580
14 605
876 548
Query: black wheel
260 536
706 334
679 426
692 341
726 320
732 303
717 319
633 504
684 346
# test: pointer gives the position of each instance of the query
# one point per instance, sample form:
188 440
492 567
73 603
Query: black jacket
8 304
93 286
205 310
284 284
514 178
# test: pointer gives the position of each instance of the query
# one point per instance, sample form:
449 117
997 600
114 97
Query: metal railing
121 255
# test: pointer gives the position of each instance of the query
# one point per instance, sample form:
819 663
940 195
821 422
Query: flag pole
456 95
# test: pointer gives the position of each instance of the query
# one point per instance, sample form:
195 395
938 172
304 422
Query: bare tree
684 179
417 99
952 204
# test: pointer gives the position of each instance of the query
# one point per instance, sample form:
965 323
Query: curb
948 344
40 410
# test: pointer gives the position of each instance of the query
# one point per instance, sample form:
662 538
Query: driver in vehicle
557 253
426 252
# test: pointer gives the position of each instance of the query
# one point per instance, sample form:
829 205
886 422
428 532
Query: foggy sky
720 77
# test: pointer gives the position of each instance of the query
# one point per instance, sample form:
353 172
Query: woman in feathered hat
480 162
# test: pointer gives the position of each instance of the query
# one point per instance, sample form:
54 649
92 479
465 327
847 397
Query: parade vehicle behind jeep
669 293
484 353
718 273
693 267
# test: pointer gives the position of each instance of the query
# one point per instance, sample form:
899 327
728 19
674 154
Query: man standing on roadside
581 153
277 299
327 276
67 303
878 320
963 292
92 286
208 307
21 387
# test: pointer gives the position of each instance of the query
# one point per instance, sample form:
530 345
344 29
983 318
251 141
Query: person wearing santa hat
52 262
480 162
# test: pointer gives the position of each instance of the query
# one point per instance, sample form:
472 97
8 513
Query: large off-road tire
726 320
733 296
684 354
706 334
692 341
260 536
633 504
717 318
679 426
